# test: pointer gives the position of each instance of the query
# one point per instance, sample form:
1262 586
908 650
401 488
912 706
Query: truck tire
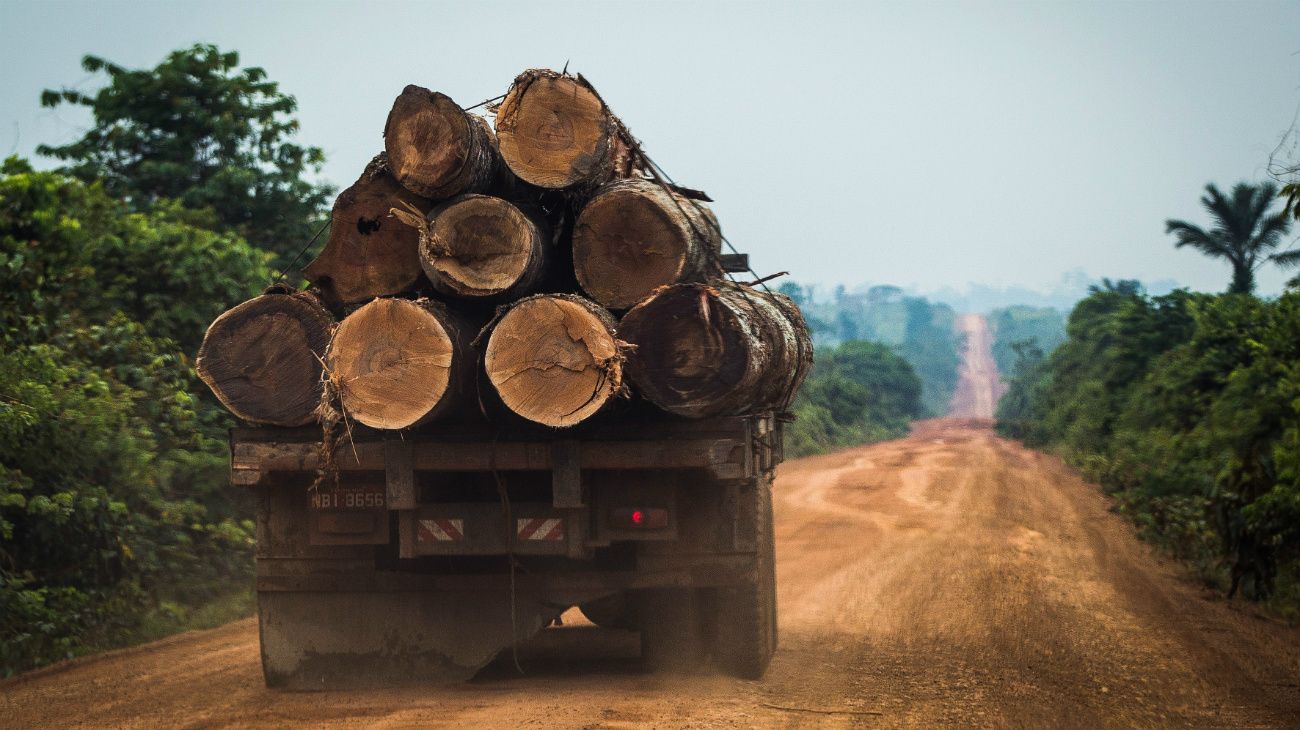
743 617
672 635
611 612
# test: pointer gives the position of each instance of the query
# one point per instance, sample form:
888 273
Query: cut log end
712 351
634 237
370 253
394 362
480 246
436 149
554 131
262 358
554 359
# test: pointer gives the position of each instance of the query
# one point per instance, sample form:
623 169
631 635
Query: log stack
541 265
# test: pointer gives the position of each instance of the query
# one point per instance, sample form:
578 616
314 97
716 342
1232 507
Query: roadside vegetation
1186 407
858 393
117 523
921 332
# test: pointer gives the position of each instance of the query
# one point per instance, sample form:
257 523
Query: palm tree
1244 233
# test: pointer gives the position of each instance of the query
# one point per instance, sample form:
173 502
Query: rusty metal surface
328 640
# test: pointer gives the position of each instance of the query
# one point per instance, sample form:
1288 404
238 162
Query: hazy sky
923 145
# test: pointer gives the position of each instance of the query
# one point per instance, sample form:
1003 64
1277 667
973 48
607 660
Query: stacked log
262 359
555 359
369 253
436 149
717 350
396 363
543 228
635 236
556 132
481 246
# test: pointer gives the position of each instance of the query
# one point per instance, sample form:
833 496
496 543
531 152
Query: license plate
359 496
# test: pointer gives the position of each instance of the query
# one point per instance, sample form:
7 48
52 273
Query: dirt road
979 386
949 578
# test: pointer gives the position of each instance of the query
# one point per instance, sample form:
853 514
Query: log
397 363
721 350
554 359
555 132
262 358
369 253
477 246
634 236
436 149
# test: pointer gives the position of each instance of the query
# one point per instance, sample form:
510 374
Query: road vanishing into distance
950 578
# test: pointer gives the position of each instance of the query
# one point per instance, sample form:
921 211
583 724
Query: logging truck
436 548
521 380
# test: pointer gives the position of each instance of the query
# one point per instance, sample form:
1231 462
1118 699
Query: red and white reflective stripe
442 529
540 528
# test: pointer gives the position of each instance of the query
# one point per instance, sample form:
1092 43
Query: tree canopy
114 505
199 130
1245 233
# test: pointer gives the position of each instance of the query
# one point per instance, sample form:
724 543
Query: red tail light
638 518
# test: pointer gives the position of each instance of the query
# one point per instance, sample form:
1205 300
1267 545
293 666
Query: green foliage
67 249
113 494
923 333
1245 234
199 130
1187 408
1019 327
857 393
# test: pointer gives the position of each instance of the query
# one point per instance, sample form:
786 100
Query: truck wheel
610 612
672 636
744 616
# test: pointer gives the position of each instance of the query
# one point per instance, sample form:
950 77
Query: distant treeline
1186 408
1020 329
921 332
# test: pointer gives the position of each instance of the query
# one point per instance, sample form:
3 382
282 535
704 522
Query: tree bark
369 253
397 363
262 358
554 359
477 246
721 350
634 236
436 149
555 132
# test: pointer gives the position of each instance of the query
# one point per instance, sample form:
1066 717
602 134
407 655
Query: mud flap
318 641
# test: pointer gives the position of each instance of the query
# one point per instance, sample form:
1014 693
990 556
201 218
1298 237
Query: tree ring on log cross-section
435 148
554 131
554 359
262 358
392 362
480 246
634 237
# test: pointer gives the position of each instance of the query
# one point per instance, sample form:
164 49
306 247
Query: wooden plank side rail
725 458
